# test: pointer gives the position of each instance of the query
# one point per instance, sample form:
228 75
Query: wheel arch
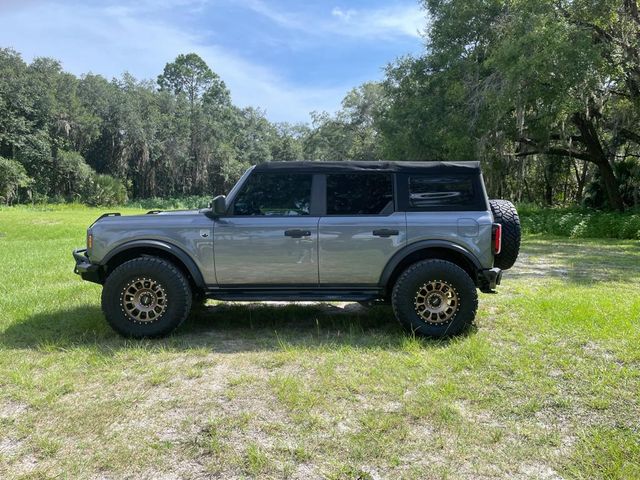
164 250
429 249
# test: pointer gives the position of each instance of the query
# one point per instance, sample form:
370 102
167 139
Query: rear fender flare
402 254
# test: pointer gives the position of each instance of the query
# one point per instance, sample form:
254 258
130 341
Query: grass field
546 386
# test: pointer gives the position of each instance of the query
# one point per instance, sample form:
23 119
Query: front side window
434 192
359 194
274 194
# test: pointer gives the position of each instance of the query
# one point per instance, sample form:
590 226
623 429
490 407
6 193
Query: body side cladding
168 248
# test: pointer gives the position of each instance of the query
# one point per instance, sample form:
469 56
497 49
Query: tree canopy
504 80
546 93
181 136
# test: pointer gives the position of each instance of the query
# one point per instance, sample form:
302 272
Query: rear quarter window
444 192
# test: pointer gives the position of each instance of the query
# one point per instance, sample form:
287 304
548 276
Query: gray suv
420 235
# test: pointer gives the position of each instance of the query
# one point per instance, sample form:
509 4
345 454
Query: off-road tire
414 279
141 275
505 213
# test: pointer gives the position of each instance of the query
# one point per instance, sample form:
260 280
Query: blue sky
287 57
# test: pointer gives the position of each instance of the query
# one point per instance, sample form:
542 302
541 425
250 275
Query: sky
286 57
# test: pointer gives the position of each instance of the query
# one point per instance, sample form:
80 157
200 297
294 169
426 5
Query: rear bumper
87 270
489 279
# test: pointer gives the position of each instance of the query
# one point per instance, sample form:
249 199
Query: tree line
545 93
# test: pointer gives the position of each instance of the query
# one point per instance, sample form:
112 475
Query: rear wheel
435 298
146 297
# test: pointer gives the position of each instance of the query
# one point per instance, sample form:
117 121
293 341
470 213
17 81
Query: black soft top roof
399 167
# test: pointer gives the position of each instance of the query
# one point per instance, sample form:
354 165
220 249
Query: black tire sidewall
172 280
418 274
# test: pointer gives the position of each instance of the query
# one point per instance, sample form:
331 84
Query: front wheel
435 298
146 297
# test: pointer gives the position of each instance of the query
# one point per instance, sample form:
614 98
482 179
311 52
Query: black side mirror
219 205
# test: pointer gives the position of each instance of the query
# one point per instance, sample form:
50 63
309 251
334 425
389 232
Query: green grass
546 386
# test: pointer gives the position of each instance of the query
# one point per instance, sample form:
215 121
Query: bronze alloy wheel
143 300
435 298
146 297
436 302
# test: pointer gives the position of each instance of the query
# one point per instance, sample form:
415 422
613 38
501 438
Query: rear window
359 194
442 192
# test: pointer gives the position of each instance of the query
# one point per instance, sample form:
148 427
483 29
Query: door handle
297 233
385 232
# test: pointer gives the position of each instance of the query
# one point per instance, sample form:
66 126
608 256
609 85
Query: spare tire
505 213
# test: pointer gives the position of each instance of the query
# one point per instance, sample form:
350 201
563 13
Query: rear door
270 236
360 229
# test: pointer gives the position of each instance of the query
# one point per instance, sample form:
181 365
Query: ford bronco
422 236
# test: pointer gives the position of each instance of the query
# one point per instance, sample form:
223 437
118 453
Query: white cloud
386 22
342 14
382 22
112 40
284 19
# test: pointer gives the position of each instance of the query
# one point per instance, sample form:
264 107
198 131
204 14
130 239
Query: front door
269 238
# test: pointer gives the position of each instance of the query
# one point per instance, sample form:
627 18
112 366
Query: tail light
89 241
496 237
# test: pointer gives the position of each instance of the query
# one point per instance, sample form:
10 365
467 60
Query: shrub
72 175
105 190
580 223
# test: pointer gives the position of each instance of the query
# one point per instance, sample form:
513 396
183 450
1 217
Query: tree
13 176
350 134
287 142
189 75
360 110
35 155
16 105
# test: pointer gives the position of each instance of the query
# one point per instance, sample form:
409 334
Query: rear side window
274 194
359 194
433 192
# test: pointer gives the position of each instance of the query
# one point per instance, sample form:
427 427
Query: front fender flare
171 249
400 255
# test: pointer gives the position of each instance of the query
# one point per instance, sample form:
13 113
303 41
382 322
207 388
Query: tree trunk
548 190
596 154
581 180
610 184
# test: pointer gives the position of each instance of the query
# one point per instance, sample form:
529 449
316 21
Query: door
361 230
269 237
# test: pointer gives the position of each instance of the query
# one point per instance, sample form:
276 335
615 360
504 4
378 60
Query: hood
149 216
174 212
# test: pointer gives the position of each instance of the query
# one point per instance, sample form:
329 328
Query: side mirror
219 205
